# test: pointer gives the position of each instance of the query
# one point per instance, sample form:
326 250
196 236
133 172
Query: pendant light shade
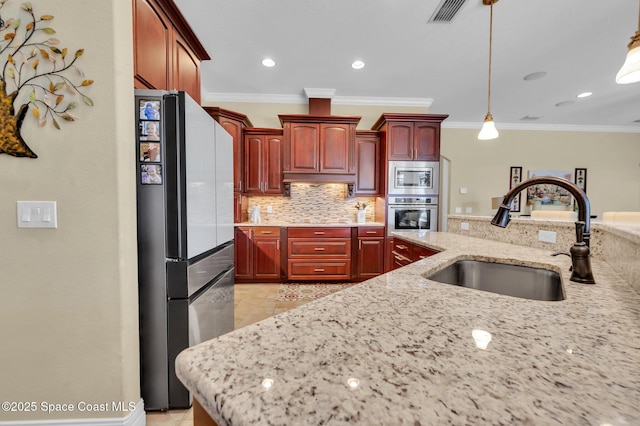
489 130
630 71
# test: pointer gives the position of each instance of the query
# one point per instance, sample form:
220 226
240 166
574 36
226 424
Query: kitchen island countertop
398 349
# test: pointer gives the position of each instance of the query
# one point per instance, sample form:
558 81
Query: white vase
361 216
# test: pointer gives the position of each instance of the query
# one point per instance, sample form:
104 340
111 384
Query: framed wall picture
581 179
515 177
549 194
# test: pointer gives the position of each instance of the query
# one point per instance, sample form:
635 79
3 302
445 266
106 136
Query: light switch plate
37 214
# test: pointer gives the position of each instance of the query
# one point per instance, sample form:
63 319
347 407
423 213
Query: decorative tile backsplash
313 203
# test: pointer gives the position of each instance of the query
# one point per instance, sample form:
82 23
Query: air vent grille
447 10
530 118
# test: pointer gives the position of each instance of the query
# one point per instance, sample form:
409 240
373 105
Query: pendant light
630 71
489 130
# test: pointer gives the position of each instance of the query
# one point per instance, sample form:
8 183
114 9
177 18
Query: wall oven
414 177
412 213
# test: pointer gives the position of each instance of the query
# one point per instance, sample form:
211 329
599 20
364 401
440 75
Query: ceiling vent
530 118
446 10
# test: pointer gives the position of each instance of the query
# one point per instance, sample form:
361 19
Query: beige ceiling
580 44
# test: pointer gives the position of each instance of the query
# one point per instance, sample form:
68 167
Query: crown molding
318 93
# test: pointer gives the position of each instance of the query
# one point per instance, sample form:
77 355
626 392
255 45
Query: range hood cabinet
319 149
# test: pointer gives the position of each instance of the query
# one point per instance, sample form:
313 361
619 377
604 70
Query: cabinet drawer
371 231
403 248
319 232
420 252
319 248
266 231
301 270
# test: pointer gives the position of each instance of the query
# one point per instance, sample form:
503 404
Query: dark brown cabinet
263 161
319 145
369 169
235 124
258 254
402 253
411 136
370 251
319 254
167 54
243 247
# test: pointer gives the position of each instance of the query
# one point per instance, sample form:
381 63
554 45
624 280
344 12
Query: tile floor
252 303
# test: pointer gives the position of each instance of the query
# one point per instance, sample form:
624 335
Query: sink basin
511 280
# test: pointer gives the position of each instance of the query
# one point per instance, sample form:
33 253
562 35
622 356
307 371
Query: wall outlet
469 210
458 210
269 209
464 226
463 190
547 236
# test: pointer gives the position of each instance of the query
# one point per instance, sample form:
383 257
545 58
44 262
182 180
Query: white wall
69 295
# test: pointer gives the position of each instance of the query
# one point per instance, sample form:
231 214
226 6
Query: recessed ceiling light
534 75
357 65
268 62
584 95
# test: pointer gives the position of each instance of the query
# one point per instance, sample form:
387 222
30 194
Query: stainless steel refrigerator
184 170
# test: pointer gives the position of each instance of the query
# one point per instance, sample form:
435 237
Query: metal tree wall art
33 63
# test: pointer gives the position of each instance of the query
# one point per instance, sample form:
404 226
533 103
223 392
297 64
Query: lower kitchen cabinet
370 251
258 254
319 254
403 253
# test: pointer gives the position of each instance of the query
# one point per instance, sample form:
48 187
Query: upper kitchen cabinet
234 123
322 146
263 161
411 136
369 169
167 54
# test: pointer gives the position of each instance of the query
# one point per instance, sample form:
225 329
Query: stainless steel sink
511 280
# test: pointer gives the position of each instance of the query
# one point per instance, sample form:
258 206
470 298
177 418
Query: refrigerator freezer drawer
198 274
190 322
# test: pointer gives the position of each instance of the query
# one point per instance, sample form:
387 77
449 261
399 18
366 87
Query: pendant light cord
490 48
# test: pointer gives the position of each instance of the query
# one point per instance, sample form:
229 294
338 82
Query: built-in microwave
414 178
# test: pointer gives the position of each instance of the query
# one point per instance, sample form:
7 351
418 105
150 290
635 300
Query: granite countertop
398 349
314 224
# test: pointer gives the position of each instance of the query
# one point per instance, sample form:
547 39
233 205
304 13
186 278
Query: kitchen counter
397 349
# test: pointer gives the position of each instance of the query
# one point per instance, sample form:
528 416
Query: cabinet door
186 71
152 46
272 167
400 141
426 137
243 253
334 148
304 147
370 257
234 128
253 161
266 258
367 165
